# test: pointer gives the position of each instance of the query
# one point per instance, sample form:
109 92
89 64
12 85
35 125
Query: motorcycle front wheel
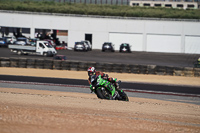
103 93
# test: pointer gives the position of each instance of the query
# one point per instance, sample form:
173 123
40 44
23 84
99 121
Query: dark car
60 57
33 41
80 46
108 46
2 42
125 47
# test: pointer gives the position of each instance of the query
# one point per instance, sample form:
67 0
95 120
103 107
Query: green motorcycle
106 90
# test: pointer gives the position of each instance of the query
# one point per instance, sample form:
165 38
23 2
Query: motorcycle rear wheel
123 96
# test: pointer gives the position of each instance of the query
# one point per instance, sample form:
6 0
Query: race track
186 94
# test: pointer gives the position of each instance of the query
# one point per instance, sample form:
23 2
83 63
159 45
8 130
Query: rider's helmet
91 71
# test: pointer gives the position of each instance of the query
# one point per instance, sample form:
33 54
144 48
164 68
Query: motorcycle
106 90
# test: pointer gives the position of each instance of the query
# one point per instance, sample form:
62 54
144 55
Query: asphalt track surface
140 58
128 86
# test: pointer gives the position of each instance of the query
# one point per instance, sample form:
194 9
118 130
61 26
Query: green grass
91 9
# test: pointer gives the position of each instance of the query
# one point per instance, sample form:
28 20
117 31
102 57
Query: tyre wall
110 67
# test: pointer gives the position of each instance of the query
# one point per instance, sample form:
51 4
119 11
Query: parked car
22 41
125 47
33 41
60 57
9 40
80 46
2 42
108 46
89 45
5 41
60 47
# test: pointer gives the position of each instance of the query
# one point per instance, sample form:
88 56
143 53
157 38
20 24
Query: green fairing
106 84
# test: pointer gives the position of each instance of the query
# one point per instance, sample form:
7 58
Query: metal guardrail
105 67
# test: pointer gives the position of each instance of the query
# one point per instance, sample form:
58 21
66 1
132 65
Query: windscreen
47 44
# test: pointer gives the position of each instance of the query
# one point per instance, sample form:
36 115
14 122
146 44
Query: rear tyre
124 96
45 54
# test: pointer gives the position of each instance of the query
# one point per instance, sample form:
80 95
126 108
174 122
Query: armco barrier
100 66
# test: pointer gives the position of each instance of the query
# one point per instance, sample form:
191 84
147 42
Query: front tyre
102 93
45 54
19 52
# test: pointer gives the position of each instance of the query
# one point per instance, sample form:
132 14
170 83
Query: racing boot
121 93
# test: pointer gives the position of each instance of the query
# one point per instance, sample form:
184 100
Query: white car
80 46
10 39
88 44
22 41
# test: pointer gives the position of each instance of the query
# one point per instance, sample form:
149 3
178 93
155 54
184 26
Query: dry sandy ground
34 111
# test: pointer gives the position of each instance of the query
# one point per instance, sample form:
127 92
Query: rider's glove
91 88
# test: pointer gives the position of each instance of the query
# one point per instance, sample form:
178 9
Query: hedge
98 9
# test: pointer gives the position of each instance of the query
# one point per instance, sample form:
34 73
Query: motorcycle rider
92 71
